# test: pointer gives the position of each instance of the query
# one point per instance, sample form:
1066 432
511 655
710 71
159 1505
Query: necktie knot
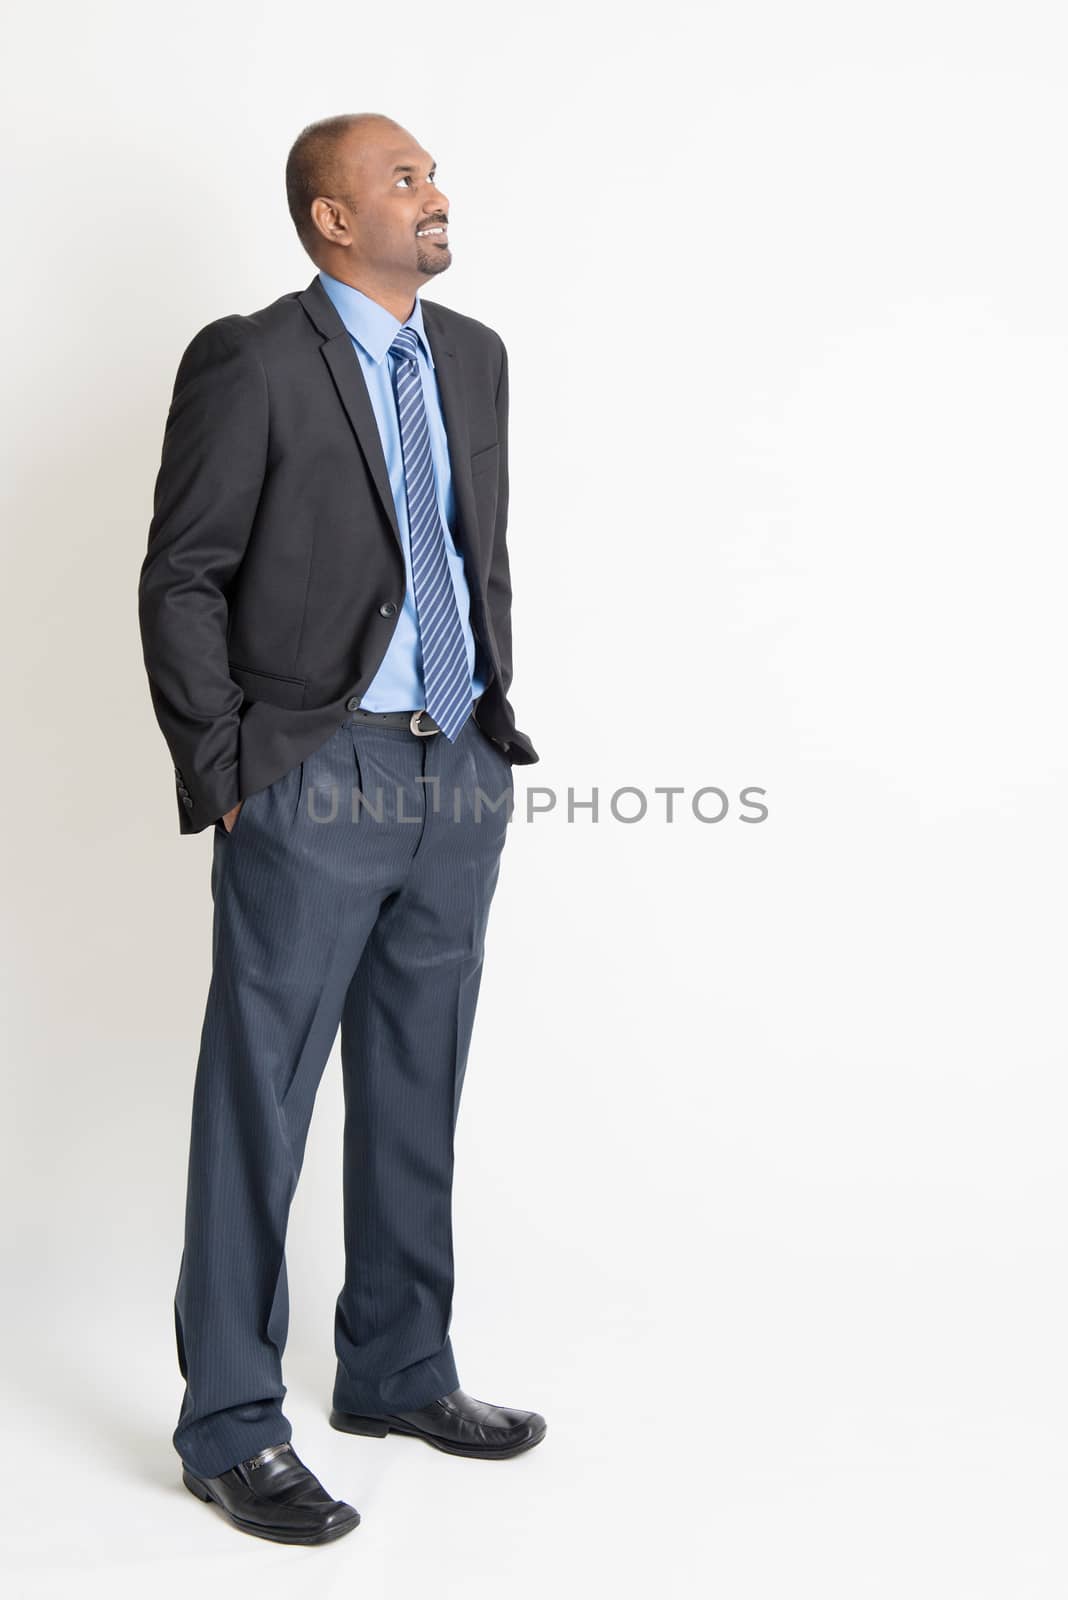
406 345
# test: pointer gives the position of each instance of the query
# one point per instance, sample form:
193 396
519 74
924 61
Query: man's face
392 205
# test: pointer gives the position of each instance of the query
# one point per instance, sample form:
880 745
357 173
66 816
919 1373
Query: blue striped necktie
446 676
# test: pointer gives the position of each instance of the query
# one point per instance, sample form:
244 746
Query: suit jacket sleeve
499 583
207 490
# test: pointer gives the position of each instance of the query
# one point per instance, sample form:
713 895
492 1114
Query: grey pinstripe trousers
353 893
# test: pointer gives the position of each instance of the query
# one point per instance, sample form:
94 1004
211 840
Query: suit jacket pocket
273 687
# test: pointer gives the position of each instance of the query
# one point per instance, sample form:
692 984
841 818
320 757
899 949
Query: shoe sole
378 1427
279 1536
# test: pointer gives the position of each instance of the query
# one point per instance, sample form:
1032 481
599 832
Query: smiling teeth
424 231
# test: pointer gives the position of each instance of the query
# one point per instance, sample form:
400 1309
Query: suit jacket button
187 802
389 609
353 704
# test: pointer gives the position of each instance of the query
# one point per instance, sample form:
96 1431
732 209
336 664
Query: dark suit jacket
275 572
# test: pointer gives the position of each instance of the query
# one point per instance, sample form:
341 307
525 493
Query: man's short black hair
312 167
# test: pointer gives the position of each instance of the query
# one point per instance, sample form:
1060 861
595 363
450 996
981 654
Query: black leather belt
421 723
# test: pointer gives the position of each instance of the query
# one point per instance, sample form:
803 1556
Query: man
325 613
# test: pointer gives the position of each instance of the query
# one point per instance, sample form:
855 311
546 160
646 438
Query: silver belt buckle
421 733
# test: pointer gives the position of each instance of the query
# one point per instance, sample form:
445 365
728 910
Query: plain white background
761 1177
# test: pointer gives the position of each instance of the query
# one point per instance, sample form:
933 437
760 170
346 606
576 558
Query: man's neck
400 303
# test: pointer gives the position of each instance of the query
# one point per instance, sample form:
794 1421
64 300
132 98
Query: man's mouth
427 233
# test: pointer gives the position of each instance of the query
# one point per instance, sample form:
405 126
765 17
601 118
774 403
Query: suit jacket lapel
347 374
452 389
345 370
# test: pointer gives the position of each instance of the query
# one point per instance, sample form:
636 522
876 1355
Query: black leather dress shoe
274 1496
456 1423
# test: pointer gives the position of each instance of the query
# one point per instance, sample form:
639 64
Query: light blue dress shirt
398 683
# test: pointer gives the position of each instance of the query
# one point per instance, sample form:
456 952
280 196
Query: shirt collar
370 324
